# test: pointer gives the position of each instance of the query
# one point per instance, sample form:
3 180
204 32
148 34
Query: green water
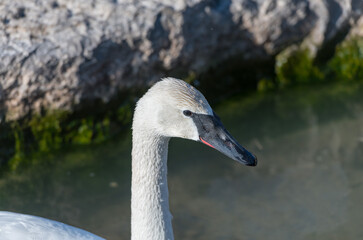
308 183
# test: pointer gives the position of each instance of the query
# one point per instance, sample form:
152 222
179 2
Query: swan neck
150 215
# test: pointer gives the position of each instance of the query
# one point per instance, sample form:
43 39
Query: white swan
171 108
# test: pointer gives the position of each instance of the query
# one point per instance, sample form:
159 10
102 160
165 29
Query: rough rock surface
57 54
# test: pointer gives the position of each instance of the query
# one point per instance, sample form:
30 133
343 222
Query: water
308 183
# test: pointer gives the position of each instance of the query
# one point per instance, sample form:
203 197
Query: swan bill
213 134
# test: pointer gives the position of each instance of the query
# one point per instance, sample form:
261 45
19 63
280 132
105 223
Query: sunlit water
308 183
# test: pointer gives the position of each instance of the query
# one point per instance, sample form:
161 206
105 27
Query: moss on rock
296 68
347 63
23 142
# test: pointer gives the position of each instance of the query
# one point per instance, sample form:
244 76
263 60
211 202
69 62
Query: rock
59 54
357 29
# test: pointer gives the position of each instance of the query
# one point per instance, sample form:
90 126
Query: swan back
15 226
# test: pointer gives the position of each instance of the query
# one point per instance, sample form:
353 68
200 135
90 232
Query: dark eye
187 113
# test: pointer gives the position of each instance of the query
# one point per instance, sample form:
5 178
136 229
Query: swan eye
187 113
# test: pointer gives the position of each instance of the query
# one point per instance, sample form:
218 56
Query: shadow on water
308 184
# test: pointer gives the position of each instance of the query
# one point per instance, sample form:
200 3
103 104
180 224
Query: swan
171 108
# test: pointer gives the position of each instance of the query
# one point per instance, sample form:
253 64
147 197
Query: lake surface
308 183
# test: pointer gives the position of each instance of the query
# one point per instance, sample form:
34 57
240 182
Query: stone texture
58 54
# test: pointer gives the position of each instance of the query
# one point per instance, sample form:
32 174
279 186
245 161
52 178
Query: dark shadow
294 34
97 75
233 72
333 38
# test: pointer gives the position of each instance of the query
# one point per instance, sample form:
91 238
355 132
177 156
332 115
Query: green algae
46 134
298 68
347 63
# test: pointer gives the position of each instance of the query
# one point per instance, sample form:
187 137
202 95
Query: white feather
16 226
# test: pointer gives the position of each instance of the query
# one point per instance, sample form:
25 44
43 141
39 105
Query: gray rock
58 54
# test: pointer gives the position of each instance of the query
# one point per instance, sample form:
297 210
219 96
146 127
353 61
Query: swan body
171 108
16 226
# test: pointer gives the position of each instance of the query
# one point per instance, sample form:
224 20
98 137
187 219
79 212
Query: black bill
212 133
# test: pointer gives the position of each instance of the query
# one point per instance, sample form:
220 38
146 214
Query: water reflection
308 184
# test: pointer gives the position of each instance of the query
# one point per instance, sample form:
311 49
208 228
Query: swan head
173 108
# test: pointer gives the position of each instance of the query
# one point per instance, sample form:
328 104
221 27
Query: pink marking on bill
206 143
